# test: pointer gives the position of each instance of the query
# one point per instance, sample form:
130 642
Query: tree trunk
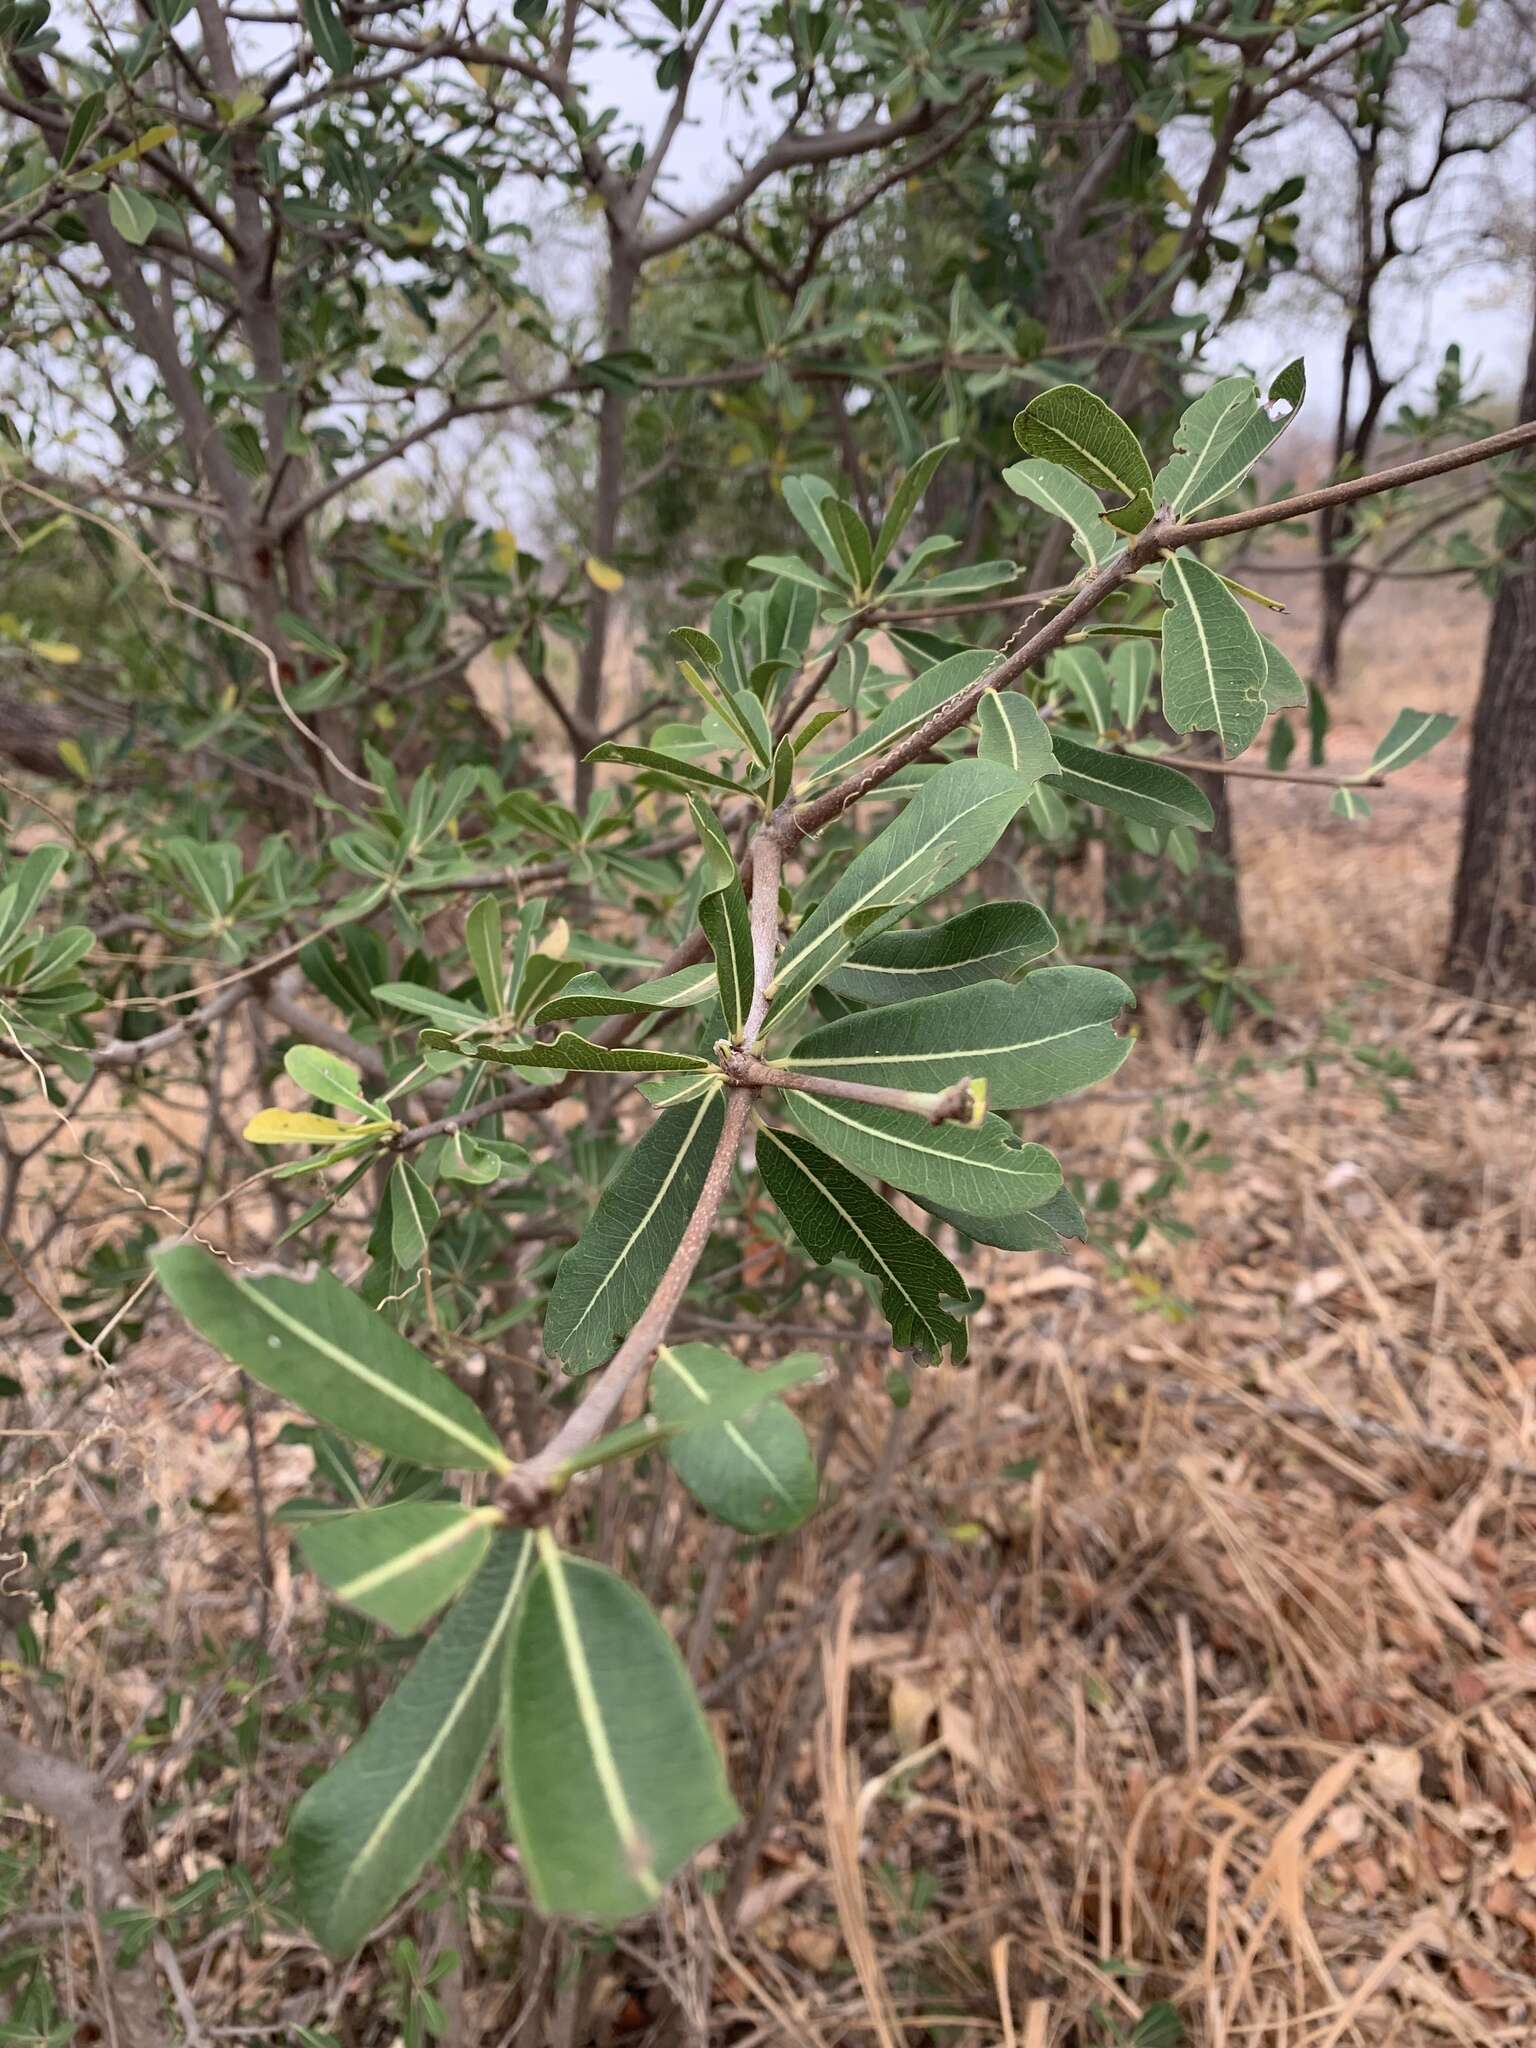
1334 607
1493 915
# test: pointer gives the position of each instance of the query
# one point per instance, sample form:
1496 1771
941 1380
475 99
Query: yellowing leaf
554 942
504 549
603 574
740 455
63 653
294 1127
72 754
1103 39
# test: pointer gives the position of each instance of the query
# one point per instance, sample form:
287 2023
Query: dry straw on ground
1193 1655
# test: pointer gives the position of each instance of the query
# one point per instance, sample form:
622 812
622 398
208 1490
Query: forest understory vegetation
1178 1653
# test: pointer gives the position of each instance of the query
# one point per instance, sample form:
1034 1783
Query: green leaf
955 821
359 1836
981 1170
588 995
905 501
836 1216
83 124
326 31
399 1565
328 1077
1131 667
607 1278
1031 1042
413 1215
1047 810
1071 425
132 214
1349 803
1412 735
1031 1230
1222 435
1084 672
754 1471
676 767
1014 734
482 935
1283 687
1213 658
781 777
611 1774
1147 791
1065 496
990 943
726 920
906 710
569 1054
431 1003
29 884
807 499
465 1158
317 1345
703 647
851 538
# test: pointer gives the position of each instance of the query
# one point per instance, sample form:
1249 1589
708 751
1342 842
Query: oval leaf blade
361 1834
611 1775
317 1345
400 1564
1030 1041
753 1470
980 1171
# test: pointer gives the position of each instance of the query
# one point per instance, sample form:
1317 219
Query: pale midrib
863 1237
1075 520
445 1729
404 1561
813 1065
837 926
1205 646
954 1159
1236 404
616 1269
878 735
604 1762
858 966
1426 719
994 704
1103 468
423 1409
1120 788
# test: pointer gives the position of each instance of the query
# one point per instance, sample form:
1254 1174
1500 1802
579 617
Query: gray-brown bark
1493 914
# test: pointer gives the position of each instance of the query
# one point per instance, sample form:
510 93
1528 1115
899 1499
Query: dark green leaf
836 1216
606 1280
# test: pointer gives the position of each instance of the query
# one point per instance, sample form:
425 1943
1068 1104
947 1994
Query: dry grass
1194 1652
